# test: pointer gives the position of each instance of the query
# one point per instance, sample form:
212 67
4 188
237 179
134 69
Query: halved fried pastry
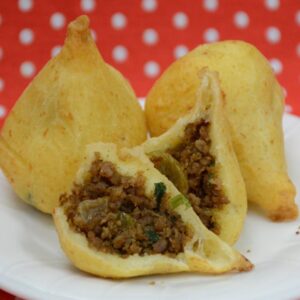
254 108
76 99
123 218
196 154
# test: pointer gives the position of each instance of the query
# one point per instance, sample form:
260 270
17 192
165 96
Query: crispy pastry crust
76 99
254 108
211 255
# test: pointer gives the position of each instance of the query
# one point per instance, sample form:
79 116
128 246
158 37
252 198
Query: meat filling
197 164
117 217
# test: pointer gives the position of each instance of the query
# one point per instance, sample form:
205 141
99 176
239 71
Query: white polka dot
25 5
241 19
151 69
26 36
94 35
285 93
210 5
55 50
149 5
118 20
180 20
1 84
119 53
1 53
273 35
2 111
272 4
180 51
297 17
27 69
276 65
298 49
150 36
57 21
211 35
288 108
88 5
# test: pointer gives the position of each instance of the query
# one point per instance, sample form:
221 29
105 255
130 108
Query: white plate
33 266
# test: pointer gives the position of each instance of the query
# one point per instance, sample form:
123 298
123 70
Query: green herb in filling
152 236
159 191
212 163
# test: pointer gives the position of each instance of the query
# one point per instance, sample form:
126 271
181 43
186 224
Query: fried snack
76 99
123 218
254 108
197 155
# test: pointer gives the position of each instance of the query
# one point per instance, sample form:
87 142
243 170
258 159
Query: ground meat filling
117 217
204 190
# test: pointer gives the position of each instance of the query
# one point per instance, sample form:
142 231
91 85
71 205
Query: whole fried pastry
76 99
197 155
254 108
123 218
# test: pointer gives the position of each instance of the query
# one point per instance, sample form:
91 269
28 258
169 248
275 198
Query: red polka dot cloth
142 37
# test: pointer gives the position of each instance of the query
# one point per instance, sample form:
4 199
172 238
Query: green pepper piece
126 219
171 168
179 200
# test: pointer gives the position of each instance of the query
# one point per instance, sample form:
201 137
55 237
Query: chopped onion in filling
117 217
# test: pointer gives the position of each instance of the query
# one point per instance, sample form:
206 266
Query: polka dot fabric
142 37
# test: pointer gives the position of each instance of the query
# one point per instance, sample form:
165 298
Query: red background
224 19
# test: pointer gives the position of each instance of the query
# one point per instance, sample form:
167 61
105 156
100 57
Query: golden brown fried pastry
254 108
196 154
76 99
123 218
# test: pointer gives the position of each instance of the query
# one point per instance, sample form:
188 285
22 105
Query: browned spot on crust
223 95
70 116
45 132
246 266
284 213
